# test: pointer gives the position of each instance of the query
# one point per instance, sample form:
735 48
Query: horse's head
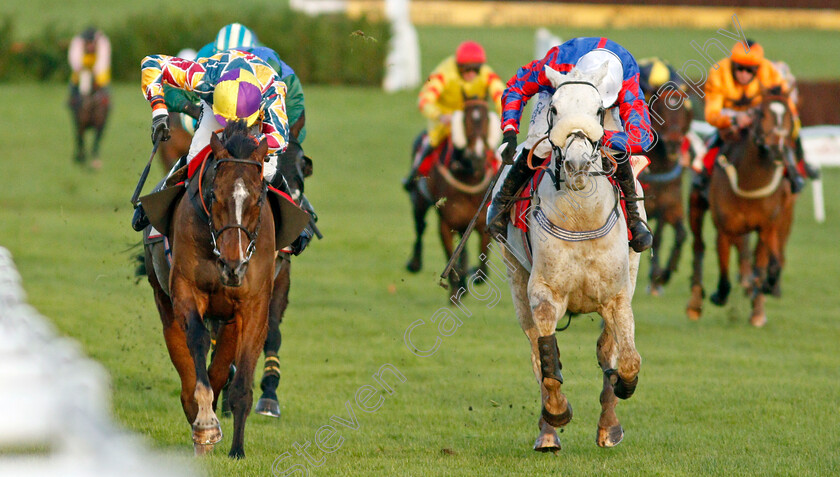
470 130
575 122
774 123
237 194
671 119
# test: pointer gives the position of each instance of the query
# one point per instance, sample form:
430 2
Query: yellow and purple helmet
237 96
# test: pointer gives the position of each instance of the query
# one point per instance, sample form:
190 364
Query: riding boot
797 183
642 238
139 220
810 171
410 182
518 175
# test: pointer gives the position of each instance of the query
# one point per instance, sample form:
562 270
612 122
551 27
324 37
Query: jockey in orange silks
732 90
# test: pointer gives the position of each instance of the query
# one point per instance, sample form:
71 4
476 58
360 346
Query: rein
215 234
732 175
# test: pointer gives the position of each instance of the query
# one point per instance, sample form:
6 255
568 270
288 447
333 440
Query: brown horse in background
178 143
89 111
222 273
456 190
662 181
749 194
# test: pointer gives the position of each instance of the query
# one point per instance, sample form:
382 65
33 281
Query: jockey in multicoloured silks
734 87
622 98
464 75
89 56
232 85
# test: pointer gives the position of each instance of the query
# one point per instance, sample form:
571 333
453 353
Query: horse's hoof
477 278
202 449
693 315
268 407
237 454
758 320
414 266
558 420
622 389
96 164
547 442
609 437
655 290
207 435
718 299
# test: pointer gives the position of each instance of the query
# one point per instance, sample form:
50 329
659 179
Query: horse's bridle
558 151
215 234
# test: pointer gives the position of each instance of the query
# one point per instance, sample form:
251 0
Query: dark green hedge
329 49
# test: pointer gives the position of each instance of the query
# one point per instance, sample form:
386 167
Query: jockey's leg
424 149
206 125
810 171
700 180
642 238
519 173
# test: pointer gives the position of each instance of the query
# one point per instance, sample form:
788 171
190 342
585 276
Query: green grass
715 397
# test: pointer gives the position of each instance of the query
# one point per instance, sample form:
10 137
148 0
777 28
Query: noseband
252 236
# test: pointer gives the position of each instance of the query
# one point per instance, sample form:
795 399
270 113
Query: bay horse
294 166
179 141
456 185
748 194
89 107
662 180
222 237
581 259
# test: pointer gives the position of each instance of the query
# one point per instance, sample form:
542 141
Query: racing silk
445 90
294 90
632 110
202 77
725 97
98 62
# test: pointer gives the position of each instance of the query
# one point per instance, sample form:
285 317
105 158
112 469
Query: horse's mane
238 141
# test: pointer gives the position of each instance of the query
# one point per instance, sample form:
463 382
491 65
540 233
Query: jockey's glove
160 128
508 148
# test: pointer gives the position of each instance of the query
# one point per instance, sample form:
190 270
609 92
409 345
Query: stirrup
139 220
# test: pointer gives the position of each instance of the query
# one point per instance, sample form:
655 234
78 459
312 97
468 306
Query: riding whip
471 226
144 175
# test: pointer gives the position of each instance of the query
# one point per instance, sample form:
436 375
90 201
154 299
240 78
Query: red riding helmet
470 52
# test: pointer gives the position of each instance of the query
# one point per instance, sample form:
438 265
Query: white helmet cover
611 84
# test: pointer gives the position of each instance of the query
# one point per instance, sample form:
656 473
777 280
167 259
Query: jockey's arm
294 105
275 126
495 88
715 114
633 112
429 95
524 84
157 70
102 66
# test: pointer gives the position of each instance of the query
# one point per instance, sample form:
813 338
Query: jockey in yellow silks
89 56
464 75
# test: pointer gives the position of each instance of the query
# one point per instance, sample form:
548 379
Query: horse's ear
216 145
557 78
262 150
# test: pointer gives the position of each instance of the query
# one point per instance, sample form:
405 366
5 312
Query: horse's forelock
239 143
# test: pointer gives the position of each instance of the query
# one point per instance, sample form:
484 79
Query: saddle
289 218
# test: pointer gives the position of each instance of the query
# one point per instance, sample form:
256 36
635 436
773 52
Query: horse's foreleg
222 357
176 344
482 252
446 239
546 310
206 428
676 251
619 322
419 208
696 213
547 440
253 321
610 432
268 404
742 245
655 269
724 247
768 253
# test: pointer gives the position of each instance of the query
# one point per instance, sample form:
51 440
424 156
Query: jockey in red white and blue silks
626 128
632 110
